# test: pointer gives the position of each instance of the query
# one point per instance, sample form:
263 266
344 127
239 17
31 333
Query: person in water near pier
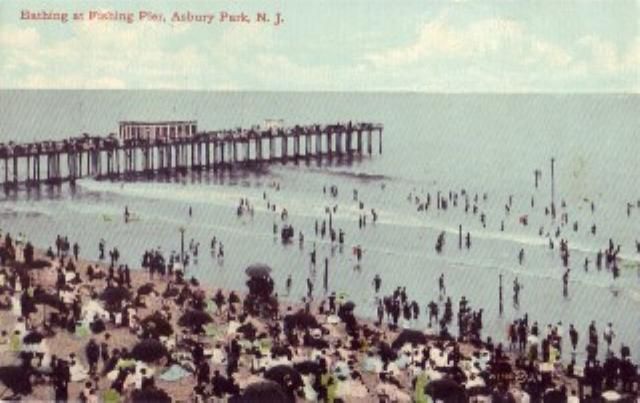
377 282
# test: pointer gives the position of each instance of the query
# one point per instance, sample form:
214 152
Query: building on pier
274 124
170 130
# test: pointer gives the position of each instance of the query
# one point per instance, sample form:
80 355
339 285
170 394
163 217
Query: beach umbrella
372 364
194 318
386 352
301 320
178 267
554 395
333 319
280 351
37 264
455 373
174 373
258 270
156 326
611 396
308 367
149 350
16 378
115 295
147 395
146 289
409 336
248 330
33 338
285 376
266 391
478 390
445 389
43 298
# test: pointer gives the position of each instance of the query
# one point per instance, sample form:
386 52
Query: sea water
480 143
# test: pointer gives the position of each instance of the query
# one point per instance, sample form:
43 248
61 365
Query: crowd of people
132 338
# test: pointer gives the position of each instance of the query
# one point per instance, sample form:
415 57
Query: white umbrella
372 364
333 319
611 396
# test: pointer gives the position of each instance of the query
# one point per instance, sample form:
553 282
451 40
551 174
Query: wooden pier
55 162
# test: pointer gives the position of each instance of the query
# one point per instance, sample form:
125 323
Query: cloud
12 36
500 54
39 81
443 54
439 40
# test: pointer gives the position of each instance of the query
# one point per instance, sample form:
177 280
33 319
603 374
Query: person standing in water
516 292
288 285
441 286
126 214
608 335
500 299
565 283
573 336
377 282
309 288
521 256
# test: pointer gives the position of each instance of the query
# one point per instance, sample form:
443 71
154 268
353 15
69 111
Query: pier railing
110 157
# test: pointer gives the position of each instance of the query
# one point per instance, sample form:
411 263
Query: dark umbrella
279 351
301 320
386 352
33 338
445 389
409 336
115 295
37 264
285 376
148 395
455 373
554 395
194 318
258 270
267 391
157 326
51 300
308 367
478 391
146 289
149 350
348 306
248 330
17 379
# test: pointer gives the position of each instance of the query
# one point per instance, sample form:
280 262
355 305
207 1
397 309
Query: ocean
484 144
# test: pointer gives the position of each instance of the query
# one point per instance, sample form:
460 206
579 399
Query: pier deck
109 157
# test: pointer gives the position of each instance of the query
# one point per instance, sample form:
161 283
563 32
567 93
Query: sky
457 46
